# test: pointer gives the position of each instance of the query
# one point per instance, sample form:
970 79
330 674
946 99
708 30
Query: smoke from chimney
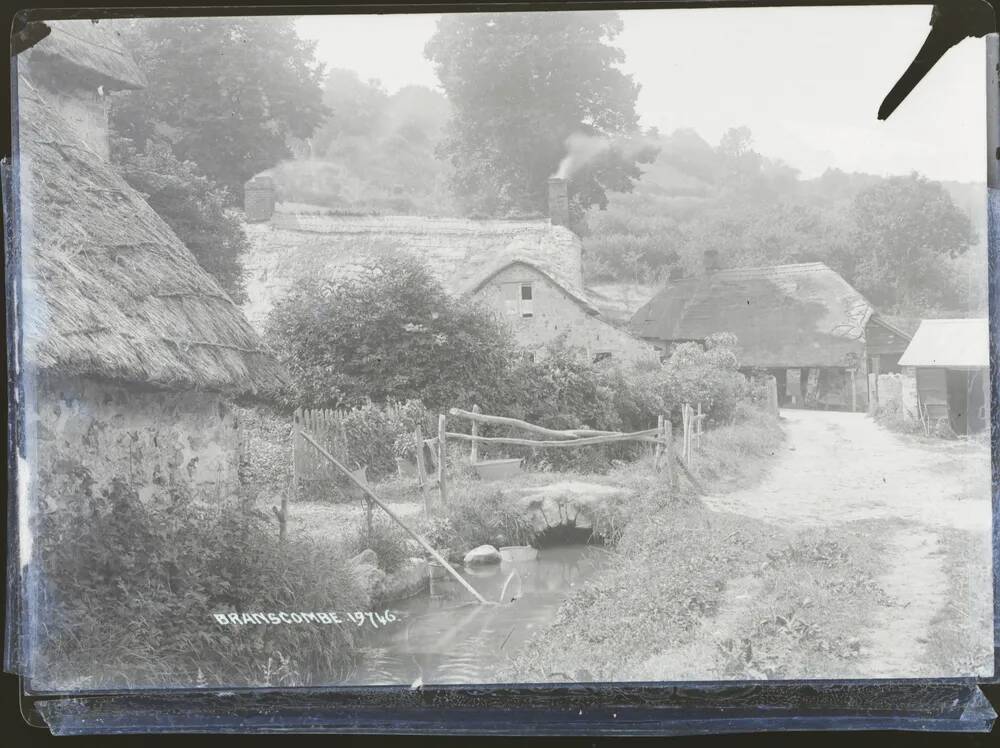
581 149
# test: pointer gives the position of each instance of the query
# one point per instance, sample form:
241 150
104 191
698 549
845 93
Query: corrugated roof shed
301 241
949 343
91 50
802 315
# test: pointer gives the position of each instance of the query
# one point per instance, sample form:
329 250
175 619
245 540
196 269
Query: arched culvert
575 506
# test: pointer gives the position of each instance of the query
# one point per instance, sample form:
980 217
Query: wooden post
418 443
668 449
854 392
659 444
282 515
442 454
474 450
771 383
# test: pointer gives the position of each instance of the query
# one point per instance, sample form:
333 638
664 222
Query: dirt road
836 468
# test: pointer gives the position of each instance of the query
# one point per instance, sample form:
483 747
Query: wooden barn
131 354
530 272
803 323
951 362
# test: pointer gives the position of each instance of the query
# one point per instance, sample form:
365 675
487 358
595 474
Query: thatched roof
950 343
302 241
620 301
91 52
109 289
802 315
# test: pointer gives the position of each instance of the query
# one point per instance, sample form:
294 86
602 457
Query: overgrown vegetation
128 589
478 514
756 211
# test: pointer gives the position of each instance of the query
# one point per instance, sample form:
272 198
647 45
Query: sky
806 81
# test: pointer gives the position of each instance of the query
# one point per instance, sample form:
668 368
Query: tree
907 231
226 93
192 205
355 108
521 84
388 332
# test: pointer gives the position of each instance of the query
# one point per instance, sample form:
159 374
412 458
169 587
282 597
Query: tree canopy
521 84
375 152
388 332
227 93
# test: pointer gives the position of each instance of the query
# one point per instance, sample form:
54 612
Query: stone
412 578
481 556
369 577
366 557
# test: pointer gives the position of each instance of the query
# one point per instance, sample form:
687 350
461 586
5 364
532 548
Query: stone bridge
574 504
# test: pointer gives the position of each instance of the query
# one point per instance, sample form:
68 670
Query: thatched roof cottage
529 271
803 322
131 353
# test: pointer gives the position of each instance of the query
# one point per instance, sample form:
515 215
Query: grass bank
700 594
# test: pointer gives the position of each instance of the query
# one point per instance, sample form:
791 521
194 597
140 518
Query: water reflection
446 638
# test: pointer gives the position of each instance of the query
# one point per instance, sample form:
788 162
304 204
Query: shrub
706 374
388 332
390 543
377 435
127 590
477 515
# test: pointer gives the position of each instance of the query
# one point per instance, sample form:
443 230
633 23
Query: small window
527 301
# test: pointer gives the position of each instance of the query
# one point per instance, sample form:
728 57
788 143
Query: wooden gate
327 427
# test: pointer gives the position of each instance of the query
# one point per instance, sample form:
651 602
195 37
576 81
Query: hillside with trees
902 240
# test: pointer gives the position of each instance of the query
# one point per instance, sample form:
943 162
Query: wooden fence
661 437
327 428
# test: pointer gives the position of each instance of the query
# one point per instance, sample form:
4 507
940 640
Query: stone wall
150 439
554 312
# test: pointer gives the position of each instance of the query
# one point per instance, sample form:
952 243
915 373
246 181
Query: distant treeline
911 245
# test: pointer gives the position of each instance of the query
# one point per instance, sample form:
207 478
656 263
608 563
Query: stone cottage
130 354
529 271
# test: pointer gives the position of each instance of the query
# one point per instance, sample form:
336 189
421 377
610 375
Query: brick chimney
710 261
558 202
258 199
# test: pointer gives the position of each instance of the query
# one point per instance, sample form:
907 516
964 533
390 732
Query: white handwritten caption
358 618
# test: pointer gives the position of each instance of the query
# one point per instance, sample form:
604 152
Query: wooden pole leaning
413 534
474 450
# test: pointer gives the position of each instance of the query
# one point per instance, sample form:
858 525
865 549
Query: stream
445 637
